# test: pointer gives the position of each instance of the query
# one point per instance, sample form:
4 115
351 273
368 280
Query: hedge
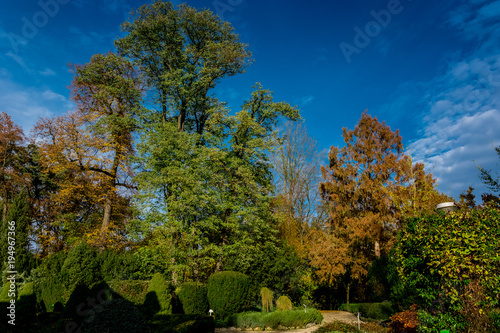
158 299
283 319
379 311
81 267
132 290
227 292
193 298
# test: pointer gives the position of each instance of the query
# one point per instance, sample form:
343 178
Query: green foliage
451 265
4 294
429 323
17 225
208 167
227 292
379 275
286 319
267 299
351 307
48 283
81 267
133 291
112 264
272 263
193 297
378 311
283 303
158 299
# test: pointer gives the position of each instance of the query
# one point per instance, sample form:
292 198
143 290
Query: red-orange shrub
405 321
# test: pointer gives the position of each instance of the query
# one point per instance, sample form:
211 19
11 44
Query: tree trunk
348 290
174 273
4 209
105 223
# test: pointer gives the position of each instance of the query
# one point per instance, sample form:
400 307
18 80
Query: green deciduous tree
211 200
183 53
204 177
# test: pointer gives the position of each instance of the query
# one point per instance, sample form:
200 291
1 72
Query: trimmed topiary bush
47 279
159 297
283 303
227 292
132 290
267 299
81 267
193 297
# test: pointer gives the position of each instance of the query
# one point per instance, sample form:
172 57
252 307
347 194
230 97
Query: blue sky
428 68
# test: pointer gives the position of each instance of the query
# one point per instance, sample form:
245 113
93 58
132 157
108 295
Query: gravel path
328 317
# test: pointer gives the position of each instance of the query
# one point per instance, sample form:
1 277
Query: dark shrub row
379 311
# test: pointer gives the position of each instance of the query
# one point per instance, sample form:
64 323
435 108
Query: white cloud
463 107
19 60
47 72
306 100
452 149
27 104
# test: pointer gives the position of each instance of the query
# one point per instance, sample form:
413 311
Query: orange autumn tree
92 145
369 185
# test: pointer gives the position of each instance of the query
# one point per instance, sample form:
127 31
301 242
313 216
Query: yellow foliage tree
90 147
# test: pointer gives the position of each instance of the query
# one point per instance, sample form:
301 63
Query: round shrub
227 292
159 297
193 297
81 267
283 303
